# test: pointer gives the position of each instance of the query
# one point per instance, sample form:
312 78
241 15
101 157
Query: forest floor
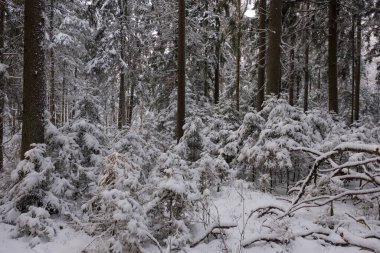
232 205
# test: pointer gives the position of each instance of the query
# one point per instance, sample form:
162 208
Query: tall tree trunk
52 64
358 65
262 55
217 66
181 68
332 56
238 54
34 87
306 80
353 67
292 72
113 111
122 104
274 48
63 95
2 81
306 67
122 117
131 102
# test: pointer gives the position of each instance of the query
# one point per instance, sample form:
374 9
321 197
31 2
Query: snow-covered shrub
248 134
191 144
284 130
264 182
174 191
35 223
115 208
212 171
30 201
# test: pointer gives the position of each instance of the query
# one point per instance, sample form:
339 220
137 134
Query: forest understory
151 126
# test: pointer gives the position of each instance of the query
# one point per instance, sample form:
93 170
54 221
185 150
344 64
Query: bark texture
34 86
358 65
181 69
2 81
274 48
262 55
332 56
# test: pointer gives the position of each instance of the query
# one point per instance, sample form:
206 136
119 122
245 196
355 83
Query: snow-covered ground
232 206
66 241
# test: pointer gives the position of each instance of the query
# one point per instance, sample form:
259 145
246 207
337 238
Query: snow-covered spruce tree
30 202
55 176
115 210
285 129
175 191
248 134
88 145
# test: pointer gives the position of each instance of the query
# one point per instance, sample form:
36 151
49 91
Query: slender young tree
2 81
332 56
181 69
274 48
34 87
262 55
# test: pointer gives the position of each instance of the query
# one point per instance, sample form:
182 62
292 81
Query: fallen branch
209 230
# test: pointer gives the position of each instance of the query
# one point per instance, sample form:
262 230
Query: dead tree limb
209 230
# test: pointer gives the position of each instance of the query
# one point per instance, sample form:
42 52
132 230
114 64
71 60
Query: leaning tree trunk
2 81
332 56
274 48
34 87
262 55
358 65
181 69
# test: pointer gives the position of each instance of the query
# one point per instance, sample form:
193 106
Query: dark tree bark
217 57
306 67
217 69
131 103
292 78
63 104
262 55
34 87
274 48
332 56
122 104
238 53
52 65
2 81
181 69
358 65
353 67
122 117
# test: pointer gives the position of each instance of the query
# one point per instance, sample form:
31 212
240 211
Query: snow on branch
209 230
